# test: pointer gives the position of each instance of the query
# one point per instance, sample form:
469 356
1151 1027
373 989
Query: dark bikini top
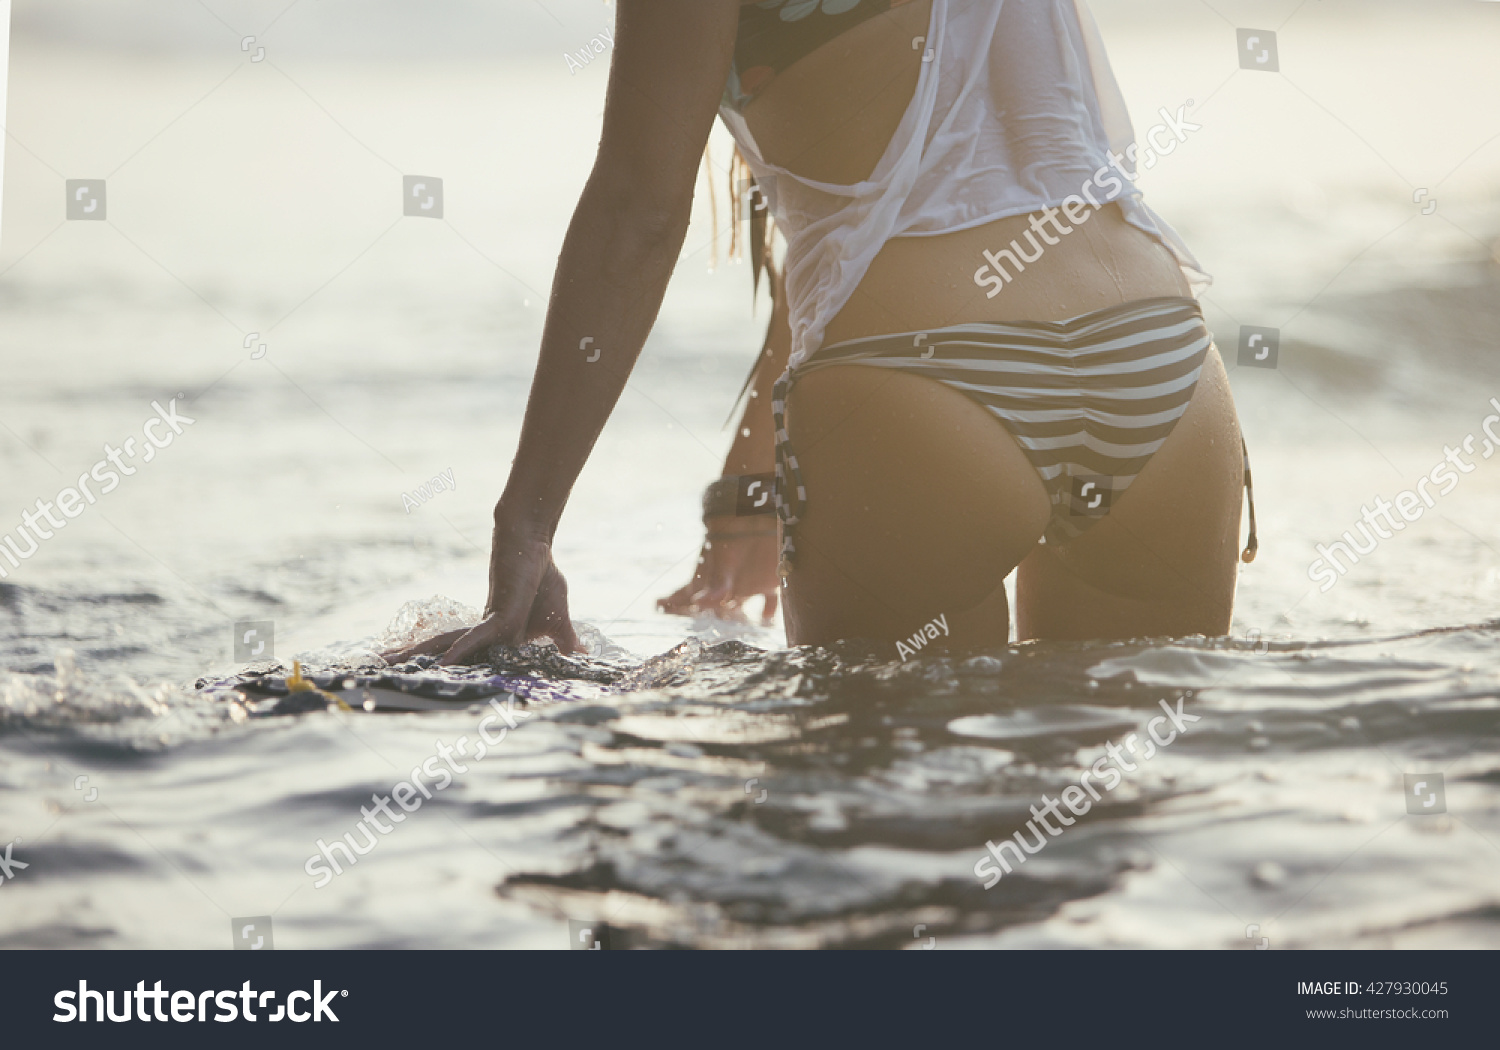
774 34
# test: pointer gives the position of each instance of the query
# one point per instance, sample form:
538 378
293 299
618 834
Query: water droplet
1268 874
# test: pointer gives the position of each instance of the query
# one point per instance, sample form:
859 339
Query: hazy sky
337 28
479 28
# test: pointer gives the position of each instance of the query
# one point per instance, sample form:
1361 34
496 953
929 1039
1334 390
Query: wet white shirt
1015 111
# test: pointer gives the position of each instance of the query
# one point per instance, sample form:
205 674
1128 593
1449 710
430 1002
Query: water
695 783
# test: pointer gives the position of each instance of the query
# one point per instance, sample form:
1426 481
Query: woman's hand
528 599
738 562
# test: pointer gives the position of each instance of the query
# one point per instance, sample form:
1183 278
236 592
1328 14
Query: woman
978 380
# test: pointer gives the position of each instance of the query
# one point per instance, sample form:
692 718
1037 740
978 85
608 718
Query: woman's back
829 115
936 117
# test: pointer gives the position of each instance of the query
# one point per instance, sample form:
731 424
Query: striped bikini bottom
1089 400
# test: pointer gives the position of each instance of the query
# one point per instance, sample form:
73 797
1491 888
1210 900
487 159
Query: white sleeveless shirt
1016 110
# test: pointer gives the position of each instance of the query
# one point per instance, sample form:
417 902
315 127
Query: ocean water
696 783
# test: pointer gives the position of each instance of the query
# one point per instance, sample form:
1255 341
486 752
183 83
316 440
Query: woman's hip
929 282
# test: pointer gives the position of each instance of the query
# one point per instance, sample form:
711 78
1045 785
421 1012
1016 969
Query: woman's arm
671 61
739 556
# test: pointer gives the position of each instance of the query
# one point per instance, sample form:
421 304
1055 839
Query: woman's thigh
1164 561
919 504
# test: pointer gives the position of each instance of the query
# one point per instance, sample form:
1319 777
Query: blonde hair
757 240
